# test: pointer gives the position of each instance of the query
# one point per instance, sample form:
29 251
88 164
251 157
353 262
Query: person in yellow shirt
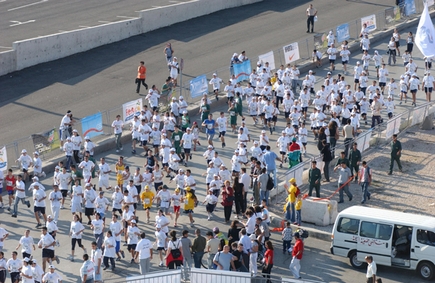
120 167
189 204
291 200
298 207
147 197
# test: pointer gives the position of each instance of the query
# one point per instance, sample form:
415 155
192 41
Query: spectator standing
65 124
186 246
168 51
298 207
396 153
268 260
297 253
371 269
198 248
314 177
355 160
311 13
224 259
174 252
287 235
343 181
228 200
269 162
141 76
212 247
365 179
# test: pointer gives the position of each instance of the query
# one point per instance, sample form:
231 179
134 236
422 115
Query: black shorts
283 152
24 256
344 62
262 114
332 61
135 206
64 193
381 84
131 247
165 165
39 208
222 134
397 43
156 145
304 109
356 81
187 150
117 210
89 211
274 118
269 119
47 253
390 115
286 114
413 91
427 89
143 143
15 277
161 248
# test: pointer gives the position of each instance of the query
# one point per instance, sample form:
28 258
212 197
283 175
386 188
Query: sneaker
9 208
28 204
161 264
85 251
72 259
208 218
62 207
38 225
132 261
57 260
122 254
118 259
44 175
133 151
104 268
89 222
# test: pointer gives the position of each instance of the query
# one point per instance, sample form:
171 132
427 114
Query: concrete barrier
319 212
43 49
8 62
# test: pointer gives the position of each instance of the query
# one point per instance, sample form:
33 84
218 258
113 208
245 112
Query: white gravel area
411 191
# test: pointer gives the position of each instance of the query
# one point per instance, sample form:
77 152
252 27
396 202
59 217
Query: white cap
188 129
210 146
133 221
236 151
52 267
172 149
68 138
255 142
26 259
181 97
173 98
263 131
35 179
50 217
57 167
23 151
214 74
283 132
358 62
87 185
185 112
36 153
87 138
310 71
75 131
158 226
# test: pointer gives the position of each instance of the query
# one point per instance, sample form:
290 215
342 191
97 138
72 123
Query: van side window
426 237
348 225
375 230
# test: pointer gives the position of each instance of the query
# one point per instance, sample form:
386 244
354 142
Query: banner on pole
343 32
242 70
46 141
424 38
3 159
370 21
198 86
291 52
268 57
410 7
131 109
92 126
418 116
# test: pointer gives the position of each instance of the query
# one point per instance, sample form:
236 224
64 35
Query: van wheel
354 261
426 270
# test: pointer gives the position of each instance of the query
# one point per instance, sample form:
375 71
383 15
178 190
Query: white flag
424 38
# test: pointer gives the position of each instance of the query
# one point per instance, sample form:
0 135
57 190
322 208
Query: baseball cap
52 267
36 153
292 180
210 146
23 151
75 131
172 149
294 139
133 221
87 185
158 226
50 217
181 97
35 179
87 138
26 259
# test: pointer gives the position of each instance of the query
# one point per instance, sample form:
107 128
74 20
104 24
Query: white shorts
76 208
87 178
104 182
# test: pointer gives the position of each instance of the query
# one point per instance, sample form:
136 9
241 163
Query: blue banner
342 33
198 86
410 7
242 70
92 126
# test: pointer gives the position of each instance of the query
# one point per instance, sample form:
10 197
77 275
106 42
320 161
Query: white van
393 238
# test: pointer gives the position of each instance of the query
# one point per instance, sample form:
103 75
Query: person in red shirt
228 200
298 250
268 260
10 183
141 76
294 155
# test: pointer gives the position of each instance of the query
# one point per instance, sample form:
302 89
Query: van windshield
348 225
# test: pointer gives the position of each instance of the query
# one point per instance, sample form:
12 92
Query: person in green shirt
342 158
185 121
396 152
233 116
166 91
239 105
355 160
314 176
204 110
177 135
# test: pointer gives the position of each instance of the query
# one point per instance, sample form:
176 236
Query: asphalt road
318 264
23 19
35 99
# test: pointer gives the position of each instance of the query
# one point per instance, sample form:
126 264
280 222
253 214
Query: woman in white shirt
76 232
77 142
36 270
163 221
174 244
396 36
109 250
89 146
97 225
133 238
250 224
392 51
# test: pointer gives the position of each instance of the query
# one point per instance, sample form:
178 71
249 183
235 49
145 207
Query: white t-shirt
98 226
27 270
160 238
117 199
176 200
75 228
132 237
55 198
222 124
101 204
37 165
187 140
103 168
14 265
143 247
95 256
76 199
46 242
26 244
87 167
110 251
116 227
37 196
22 192
117 126
165 197
25 161
87 268
163 220
90 196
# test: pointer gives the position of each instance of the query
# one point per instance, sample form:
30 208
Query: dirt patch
412 191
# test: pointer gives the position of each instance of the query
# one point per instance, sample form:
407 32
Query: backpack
270 184
298 192
176 253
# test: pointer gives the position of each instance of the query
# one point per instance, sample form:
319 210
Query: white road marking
174 1
104 22
156 6
17 23
84 27
6 47
125 17
2 1
28 5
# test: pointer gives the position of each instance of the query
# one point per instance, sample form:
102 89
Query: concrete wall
8 62
38 50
